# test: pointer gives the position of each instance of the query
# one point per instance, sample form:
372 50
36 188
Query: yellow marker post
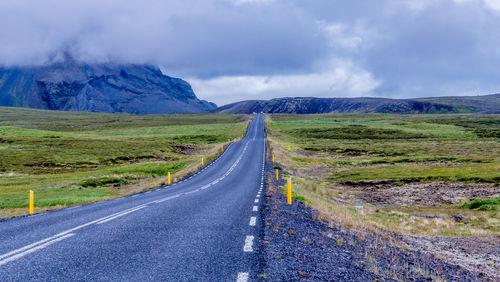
222 147
270 146
273 158
32 201
277 175
289 191
169 178
202 163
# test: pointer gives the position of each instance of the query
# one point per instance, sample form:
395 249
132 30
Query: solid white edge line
65 234
120 215
166 198
61 234
34 249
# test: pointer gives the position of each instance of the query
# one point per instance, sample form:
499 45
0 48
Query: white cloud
339 36
239 2
338 79
418 5
494 4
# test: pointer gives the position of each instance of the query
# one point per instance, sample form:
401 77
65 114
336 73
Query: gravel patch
478 254
390 192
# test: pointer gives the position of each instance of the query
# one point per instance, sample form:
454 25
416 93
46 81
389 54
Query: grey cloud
202 38
402 47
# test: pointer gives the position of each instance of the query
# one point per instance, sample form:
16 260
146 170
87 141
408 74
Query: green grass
71 157
480 173
330 154
484 204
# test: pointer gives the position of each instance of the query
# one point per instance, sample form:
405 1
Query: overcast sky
231 50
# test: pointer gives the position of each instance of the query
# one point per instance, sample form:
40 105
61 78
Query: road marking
18 253
248 247
253 220
242 277
258 196
120 215
256 201
255 208
166 199
59 235
33 249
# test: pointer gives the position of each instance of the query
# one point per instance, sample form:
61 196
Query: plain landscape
70 158
430 182
412 184
250 140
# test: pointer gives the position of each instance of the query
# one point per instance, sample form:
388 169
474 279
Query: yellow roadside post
222 147
270 146
277 174
169 178
273 158
202 162
289 191
32 201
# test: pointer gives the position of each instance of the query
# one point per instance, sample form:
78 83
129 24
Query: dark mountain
309 105
74 86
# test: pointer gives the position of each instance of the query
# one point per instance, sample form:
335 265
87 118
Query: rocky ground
477 254
391 192
300 244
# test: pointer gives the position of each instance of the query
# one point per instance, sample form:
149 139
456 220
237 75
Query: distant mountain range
143 89
75 86
309 105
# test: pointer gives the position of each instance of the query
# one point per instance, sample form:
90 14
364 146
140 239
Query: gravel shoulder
298 243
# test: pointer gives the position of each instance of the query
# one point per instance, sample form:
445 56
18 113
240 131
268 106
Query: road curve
203 228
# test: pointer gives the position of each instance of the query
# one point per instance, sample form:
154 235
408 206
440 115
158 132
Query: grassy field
430 174
71 158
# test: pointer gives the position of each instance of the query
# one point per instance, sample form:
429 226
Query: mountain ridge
105 87
312 105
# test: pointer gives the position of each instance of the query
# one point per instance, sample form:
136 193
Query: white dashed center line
242 277
255 208
248 247
253 220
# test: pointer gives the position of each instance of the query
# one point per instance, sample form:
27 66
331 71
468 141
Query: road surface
203 228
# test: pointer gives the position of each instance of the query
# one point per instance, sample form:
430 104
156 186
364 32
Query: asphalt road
203 228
